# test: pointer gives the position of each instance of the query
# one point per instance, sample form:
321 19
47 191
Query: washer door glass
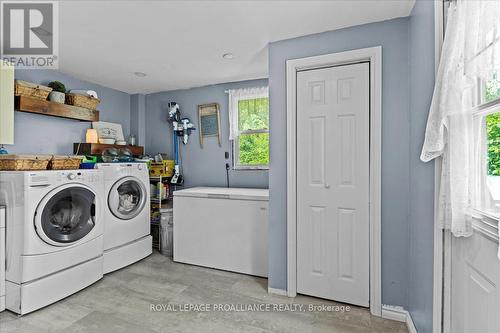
69 215
127 198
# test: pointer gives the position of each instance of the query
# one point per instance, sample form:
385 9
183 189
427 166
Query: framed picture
209 120
108 130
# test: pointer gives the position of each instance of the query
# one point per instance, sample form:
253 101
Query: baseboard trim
279 292
410 324
397 313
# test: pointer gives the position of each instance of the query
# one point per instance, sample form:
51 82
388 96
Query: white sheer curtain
471 52
235 95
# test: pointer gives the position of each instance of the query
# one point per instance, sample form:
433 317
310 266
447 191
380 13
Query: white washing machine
127 214
54 235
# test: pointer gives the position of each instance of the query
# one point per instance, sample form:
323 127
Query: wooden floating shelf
34 105
97 148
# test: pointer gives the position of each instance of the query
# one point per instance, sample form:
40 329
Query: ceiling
179 44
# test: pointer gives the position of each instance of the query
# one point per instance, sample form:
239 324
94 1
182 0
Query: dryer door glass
127 198
69 215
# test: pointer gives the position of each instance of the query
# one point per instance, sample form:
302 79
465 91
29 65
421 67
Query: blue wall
421 174
201 166
138 118
51 135
393 37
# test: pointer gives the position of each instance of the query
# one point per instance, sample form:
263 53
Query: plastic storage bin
163 169
167 232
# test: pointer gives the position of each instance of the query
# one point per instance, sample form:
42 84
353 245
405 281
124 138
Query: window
463 117
492 90
487 115
250 128
251 147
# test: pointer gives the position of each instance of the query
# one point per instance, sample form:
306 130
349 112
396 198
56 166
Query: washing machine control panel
46 178
36 179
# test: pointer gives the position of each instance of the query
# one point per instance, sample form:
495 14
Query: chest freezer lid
225 193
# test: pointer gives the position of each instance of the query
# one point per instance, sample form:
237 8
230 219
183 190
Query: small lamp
91 136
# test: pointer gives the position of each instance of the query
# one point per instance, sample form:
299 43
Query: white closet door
333 122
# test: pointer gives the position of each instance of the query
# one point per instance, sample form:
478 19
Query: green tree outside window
253 124
493 126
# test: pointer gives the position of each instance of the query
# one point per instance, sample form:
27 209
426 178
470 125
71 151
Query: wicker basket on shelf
23 88
24 162
87 102
65 162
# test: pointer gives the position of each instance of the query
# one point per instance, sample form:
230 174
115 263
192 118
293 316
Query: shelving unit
157 199
82 148
158 202
34 105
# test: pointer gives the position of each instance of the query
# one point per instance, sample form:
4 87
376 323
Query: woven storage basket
87 102
23 88
65 162
24 162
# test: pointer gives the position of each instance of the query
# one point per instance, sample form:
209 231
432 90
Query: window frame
236 143
482 205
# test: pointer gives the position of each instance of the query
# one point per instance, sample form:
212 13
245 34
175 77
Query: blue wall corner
138 118
421 220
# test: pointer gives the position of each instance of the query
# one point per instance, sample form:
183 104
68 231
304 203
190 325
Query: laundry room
250 166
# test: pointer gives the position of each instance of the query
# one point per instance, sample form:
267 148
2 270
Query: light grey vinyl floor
122 300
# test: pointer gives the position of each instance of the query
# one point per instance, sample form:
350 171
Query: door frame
441 286
374 56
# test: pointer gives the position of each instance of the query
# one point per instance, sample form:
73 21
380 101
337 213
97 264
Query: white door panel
475 282
333 122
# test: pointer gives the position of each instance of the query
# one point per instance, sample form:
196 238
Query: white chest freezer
223 228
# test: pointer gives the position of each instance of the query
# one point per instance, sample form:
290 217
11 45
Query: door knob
327 185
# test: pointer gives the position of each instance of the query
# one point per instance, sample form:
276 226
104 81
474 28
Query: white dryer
54 235
127 214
